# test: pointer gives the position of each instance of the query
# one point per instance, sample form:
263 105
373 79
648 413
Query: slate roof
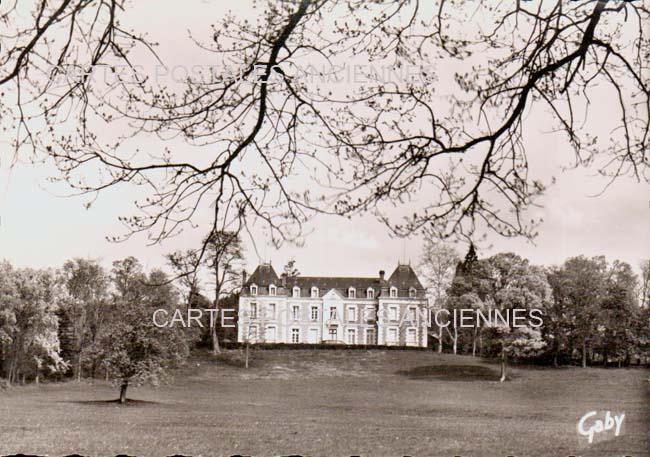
263 275
404 277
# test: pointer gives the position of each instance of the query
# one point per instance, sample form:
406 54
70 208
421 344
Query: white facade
326 310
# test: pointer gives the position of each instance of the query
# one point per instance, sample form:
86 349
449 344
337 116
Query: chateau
353 311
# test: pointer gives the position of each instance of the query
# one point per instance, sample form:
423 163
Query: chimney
382 273
244 276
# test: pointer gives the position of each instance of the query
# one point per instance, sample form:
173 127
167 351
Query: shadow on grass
116 402
452 373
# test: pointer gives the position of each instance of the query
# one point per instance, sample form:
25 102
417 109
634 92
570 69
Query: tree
502 283
579 290
86 284
644 290
369 144
133 349
186 267
619 313
289 273
438 264
28 323
224 258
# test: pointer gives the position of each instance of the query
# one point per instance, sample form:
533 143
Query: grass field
331 403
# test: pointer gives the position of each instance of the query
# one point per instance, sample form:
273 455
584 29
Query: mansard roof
341 283
404 277
263 275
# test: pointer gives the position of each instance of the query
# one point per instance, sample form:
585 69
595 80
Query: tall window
393 314
333 333
314 313
271 311
411 336
412 292
351 336
272 290
392 336
253 310
253 289
393 292
369 314
370 336
295 335
295 312
352 314
370 293
296 292
314 292
412 314
333 314
352 293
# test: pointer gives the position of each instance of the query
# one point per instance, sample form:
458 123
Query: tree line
595 311
84 321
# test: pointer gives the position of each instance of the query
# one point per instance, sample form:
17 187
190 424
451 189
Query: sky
40 228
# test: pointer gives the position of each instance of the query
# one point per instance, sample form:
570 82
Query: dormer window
352 292
412 292
314 292
296 292
253 289
393 292
273 290
370 293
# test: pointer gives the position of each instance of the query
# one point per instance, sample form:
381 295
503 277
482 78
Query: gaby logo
590 424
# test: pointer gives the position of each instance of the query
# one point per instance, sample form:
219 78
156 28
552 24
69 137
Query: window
296 292
252 334
412 292
370 293
393 292
411 316
351 336
295 335
333 333
370 336
253 310
333 313
295 312
369 314
352 314
253 289
393 313
392 336
314 313
314 292
273 290
270 335
352 292
411 337
270 311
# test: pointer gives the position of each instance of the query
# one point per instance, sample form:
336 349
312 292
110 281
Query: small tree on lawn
515 284
133 349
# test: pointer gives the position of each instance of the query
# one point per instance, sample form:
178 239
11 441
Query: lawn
332 403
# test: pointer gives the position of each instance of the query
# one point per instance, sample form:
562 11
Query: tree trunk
246 356
79 359
215 339
455 340
584 354
123 387
439 340
504 366
474 342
